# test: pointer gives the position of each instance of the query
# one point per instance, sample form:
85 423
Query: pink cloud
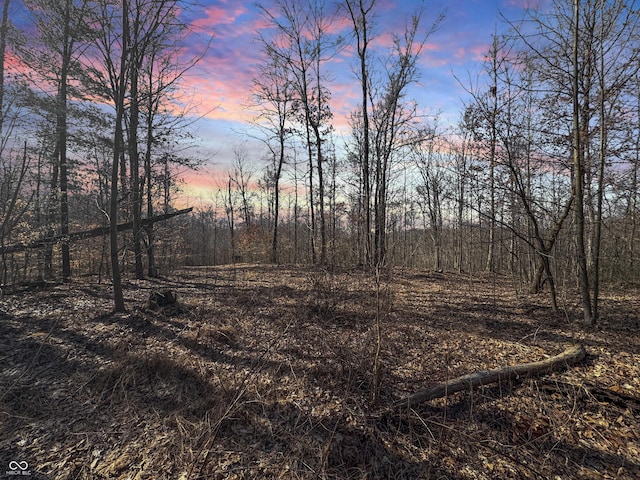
384 40
223 98
339 25
219 15
479 52
223 81
15 66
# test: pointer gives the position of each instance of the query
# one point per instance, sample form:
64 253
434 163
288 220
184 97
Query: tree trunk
3 48
51 239
230 219
317 122
360 19
569 357
600 193
323 230
490 267
134 155
118 297
296 211
583 274
61 126
276 194
151 259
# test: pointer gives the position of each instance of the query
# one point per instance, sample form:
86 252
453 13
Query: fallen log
569 357
93 232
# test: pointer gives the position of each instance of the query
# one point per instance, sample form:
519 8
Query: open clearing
266 372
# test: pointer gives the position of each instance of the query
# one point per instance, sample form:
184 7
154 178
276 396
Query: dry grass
265 372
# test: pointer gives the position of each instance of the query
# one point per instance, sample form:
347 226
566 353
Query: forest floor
266 372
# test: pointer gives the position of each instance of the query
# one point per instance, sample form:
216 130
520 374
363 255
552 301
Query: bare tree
113 52
582 51
14 200
362 15
231 218
501 121
578 162
482 117
303 43
430 160
4 27
273 92
118 144
389 124
156 33
241 176
615 30
62 33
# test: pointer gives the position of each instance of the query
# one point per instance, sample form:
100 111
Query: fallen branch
94 232
567 358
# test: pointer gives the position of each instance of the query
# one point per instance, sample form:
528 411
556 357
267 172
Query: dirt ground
266 372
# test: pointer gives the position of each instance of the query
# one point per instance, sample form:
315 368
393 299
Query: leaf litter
266 372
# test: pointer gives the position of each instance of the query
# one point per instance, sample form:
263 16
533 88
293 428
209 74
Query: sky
220 85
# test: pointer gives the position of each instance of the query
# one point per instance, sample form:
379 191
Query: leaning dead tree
571 356
93 232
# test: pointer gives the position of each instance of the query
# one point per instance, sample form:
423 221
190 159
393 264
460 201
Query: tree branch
94 232
567 358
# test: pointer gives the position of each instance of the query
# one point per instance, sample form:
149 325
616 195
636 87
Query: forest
405 298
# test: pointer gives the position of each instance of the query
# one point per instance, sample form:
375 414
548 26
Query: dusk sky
219 86
221 83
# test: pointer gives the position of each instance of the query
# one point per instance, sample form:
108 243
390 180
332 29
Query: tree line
90 129
538 179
